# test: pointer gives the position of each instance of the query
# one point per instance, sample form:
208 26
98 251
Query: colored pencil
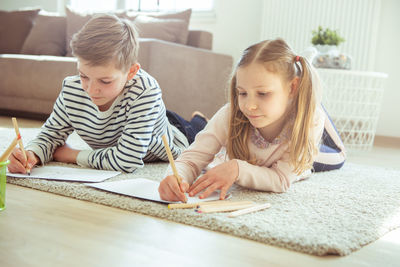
249 210
205 203
21 145
224 208
7 153
171 159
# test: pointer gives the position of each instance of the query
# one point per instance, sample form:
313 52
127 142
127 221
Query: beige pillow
14 28
171 30
47 36
75 21
182 16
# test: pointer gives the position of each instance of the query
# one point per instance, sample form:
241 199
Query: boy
113 105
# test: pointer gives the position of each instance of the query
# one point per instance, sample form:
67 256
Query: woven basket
353 100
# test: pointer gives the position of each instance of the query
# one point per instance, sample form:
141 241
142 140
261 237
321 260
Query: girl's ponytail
302 146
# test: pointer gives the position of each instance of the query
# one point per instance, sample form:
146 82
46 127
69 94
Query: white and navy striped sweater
122 138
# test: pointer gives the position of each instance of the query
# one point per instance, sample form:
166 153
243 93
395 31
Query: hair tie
297 58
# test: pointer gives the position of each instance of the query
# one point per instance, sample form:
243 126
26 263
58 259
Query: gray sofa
191 75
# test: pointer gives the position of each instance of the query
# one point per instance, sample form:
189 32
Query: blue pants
188 128
331 147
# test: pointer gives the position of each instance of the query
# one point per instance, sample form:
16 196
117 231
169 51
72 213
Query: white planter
328 56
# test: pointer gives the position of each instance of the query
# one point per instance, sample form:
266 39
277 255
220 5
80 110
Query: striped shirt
122 138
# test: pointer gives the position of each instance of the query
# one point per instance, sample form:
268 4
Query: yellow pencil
7 153
171 159
21 145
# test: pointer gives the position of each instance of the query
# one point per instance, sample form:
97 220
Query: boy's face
104 83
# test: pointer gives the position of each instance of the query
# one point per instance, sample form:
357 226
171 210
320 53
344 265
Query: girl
269 133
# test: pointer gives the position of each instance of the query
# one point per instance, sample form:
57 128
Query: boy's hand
170 190
18 163
220 177
66 154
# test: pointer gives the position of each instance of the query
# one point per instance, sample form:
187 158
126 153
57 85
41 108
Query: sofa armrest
200 39
32 83
190 78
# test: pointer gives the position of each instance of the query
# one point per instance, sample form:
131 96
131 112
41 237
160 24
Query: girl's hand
65 154
18 163
170 190
220 177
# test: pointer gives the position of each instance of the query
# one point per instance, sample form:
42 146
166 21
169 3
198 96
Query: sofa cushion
171 30
14 28
179 29
47 36
168 26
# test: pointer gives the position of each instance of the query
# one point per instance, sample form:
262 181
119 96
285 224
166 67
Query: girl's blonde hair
277 56
107 38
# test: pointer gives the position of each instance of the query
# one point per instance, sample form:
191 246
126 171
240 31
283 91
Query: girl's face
105 83
263 96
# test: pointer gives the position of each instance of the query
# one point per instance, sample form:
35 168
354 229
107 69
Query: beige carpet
334 212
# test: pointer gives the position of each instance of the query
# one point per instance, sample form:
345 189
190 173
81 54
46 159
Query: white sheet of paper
143 188
67 174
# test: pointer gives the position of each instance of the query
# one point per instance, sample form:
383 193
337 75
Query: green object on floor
3 180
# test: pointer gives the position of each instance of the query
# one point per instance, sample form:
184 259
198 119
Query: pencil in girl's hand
21 145
171 159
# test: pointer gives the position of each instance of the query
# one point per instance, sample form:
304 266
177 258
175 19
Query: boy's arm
53 134
132 146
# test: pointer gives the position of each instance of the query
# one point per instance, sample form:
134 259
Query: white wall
388 61
238 23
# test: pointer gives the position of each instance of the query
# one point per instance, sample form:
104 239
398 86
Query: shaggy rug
335 212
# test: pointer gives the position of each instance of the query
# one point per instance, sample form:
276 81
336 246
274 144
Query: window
142 5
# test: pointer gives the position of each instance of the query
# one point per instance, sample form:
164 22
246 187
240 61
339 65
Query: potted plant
326 43
326 39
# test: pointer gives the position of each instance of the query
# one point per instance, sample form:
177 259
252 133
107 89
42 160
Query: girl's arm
202 151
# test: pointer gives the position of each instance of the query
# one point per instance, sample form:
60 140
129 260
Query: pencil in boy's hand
171 159
21 145
8 151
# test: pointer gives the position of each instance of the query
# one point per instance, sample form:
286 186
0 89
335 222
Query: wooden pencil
171 159
249 210
205 203
21 145
223 208
8 151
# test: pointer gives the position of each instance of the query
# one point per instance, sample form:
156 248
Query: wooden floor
44 229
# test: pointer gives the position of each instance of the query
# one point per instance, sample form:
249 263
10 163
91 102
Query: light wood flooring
44 229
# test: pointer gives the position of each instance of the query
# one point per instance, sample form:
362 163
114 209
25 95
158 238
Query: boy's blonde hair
107 38
277 57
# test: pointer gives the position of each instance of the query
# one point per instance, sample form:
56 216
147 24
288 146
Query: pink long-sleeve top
272 170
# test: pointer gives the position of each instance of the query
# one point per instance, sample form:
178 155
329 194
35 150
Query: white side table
353 100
